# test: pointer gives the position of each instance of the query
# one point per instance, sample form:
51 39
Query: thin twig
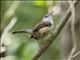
76 54
72 29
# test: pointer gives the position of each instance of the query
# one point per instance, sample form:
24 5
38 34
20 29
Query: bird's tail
23 31
16 32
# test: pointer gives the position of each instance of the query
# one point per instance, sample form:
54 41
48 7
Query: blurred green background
28 13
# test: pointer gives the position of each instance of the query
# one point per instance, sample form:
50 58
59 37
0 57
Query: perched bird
42 29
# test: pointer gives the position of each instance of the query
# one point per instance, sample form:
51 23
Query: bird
42 29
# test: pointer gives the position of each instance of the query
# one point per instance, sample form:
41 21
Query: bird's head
48 17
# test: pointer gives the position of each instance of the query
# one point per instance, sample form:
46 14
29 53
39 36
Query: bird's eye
46 16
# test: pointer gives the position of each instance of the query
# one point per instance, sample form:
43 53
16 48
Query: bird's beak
50 13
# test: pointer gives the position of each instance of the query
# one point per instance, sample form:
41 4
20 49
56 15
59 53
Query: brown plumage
36 33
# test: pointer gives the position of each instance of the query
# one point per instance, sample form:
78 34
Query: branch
76 54
9 13
53 35
7 29
72 30
4 34
74 48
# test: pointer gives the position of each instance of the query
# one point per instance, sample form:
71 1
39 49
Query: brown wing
41 25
